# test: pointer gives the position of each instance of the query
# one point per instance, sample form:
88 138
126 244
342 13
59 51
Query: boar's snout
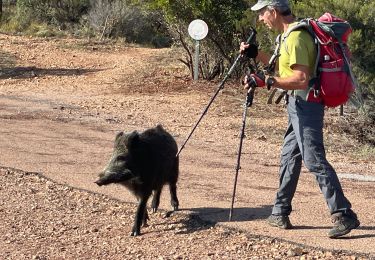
101 180
114 177
98 182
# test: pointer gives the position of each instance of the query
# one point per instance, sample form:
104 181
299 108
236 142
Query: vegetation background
163 23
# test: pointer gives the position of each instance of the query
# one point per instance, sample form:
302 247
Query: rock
296 251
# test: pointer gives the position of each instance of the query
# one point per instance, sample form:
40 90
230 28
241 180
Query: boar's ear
117 138
119 135
132 140
160 127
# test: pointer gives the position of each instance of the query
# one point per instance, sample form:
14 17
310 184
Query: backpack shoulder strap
276 54
305 25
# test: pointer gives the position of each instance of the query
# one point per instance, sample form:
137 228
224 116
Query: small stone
297 251
328 254
49 184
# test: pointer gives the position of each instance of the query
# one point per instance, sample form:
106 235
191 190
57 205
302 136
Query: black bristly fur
146 161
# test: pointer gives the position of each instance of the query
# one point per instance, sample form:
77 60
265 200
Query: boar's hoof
135 233
154 210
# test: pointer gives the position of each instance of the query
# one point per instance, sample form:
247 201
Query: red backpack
333 82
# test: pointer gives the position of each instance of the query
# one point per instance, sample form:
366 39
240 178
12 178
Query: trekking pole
220 87
248 103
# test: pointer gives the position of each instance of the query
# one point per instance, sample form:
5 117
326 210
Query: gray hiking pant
303 141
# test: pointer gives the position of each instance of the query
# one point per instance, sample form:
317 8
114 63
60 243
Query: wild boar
144 163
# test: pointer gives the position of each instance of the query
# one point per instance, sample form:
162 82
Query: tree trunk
1 8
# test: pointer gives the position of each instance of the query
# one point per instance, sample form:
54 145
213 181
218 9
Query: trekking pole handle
250 96
253 33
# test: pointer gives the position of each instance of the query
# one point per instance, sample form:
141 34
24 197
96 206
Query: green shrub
54 12
121 19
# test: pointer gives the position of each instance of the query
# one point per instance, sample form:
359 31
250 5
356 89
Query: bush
61 13
120 19
50 16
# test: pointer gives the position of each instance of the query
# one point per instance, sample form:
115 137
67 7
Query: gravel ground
42 219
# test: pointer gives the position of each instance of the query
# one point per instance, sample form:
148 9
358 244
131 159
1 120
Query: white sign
198 29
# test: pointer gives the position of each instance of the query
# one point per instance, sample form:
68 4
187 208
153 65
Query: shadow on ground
215 215
31 72
239 214
8 69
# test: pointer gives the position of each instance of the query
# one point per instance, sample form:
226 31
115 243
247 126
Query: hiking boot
343 223
280 221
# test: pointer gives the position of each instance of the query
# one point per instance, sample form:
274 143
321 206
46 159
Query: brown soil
61 103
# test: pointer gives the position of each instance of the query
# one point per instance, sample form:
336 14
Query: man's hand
254 80
249 50
270 81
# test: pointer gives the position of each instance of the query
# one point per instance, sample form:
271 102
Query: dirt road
63 101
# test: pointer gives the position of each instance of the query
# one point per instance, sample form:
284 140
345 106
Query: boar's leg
173 191
174 200
173 187
140 215
173 183
145 218
156 200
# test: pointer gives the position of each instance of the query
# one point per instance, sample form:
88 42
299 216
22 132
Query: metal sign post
198 30
196 60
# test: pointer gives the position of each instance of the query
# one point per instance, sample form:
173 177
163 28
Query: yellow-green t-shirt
297 48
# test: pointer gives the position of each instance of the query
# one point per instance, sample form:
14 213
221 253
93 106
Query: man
303 140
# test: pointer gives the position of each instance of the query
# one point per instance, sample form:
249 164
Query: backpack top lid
334 26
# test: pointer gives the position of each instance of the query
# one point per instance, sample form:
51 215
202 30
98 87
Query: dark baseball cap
263 3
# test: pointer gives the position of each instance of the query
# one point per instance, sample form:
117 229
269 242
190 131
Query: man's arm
298 80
